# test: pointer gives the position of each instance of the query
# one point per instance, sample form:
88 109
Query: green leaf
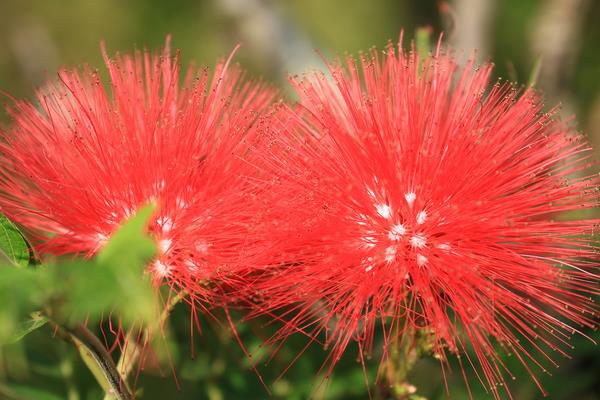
36 321
116 280
21 392
535 72
22 291
130 243
51 370
13 247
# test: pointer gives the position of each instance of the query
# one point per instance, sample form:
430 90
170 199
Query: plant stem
403 356
96 358
133 350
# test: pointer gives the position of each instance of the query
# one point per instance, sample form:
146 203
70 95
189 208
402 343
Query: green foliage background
39 36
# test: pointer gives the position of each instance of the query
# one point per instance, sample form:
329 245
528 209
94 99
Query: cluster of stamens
404 236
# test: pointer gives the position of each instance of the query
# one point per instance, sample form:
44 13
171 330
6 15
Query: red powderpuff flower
413 194
74 167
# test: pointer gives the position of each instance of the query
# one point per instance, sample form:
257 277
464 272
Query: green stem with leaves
133 350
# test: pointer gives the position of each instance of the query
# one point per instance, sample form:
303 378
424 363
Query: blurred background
278 38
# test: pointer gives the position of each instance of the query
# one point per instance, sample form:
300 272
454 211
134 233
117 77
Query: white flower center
418 241
167 224
410 198
390 254
384 210
396 232
407 237
161 269
421 217
165 245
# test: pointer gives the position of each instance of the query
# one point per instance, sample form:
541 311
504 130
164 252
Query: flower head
75 166
417 195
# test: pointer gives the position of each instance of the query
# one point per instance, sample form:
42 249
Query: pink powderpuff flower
412 193
75 166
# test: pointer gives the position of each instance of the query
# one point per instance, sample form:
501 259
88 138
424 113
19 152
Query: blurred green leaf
36 321
115 281
52 371
21 392
77 290
13 247
22 291
130 246
535 72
